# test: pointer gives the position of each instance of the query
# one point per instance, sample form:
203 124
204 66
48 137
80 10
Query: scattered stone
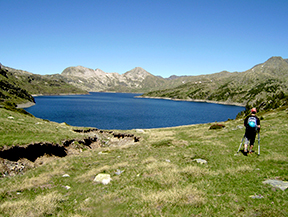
201 161
66 175
103 178
118 172
140 131
277 183
238 127
10 117
167 160
12 168
87 199
67 187
256 196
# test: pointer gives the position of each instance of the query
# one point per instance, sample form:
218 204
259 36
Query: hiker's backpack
252 123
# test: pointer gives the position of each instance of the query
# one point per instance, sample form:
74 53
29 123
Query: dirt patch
17 159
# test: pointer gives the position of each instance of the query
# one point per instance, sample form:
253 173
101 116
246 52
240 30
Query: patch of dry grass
30 182
160 135
240 169
275 156
149 160
175 196
42 205
197 171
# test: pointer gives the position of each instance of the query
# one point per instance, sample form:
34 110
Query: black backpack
252 123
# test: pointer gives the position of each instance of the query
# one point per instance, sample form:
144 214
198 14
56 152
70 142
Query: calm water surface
123 111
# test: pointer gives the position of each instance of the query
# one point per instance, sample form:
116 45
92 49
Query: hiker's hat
253 110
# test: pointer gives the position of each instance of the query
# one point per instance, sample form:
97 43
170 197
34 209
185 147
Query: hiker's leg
252 140
246 141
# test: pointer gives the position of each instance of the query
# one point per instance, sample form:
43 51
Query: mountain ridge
134 80
264 86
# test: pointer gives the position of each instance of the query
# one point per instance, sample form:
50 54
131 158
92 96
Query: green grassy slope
160 175
20 129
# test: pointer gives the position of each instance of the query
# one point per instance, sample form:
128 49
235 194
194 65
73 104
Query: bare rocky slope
135 80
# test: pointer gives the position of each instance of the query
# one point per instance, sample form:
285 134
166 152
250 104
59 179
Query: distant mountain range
135 80
251 86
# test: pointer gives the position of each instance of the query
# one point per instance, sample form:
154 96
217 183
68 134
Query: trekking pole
241 144
258 143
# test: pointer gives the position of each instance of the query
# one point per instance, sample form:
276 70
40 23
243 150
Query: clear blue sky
165 37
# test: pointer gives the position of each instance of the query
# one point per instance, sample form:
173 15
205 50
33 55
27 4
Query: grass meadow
160 175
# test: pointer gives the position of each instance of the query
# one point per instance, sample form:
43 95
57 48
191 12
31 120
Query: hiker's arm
245 121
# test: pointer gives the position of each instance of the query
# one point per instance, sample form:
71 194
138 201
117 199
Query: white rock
103 178
277 183
201 161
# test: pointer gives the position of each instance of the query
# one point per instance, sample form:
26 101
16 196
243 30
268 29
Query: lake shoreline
195 100
60 94
30 104
25 105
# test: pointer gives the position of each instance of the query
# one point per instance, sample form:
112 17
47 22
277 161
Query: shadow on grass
33 151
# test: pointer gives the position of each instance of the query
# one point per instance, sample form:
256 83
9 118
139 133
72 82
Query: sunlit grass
160 176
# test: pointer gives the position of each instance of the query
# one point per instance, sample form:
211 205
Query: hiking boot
250 152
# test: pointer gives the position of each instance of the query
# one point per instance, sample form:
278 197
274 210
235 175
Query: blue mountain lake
123 111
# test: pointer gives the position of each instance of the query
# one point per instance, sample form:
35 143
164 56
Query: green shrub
216 126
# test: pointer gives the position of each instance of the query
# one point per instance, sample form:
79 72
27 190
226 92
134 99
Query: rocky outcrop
98 80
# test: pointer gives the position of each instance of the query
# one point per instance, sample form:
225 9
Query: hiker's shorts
251 139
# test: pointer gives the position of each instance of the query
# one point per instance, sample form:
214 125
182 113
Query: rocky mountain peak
137 73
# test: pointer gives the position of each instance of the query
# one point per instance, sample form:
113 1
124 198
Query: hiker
252 124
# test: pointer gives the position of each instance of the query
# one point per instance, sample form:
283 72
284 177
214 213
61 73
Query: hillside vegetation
265 86
17 86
